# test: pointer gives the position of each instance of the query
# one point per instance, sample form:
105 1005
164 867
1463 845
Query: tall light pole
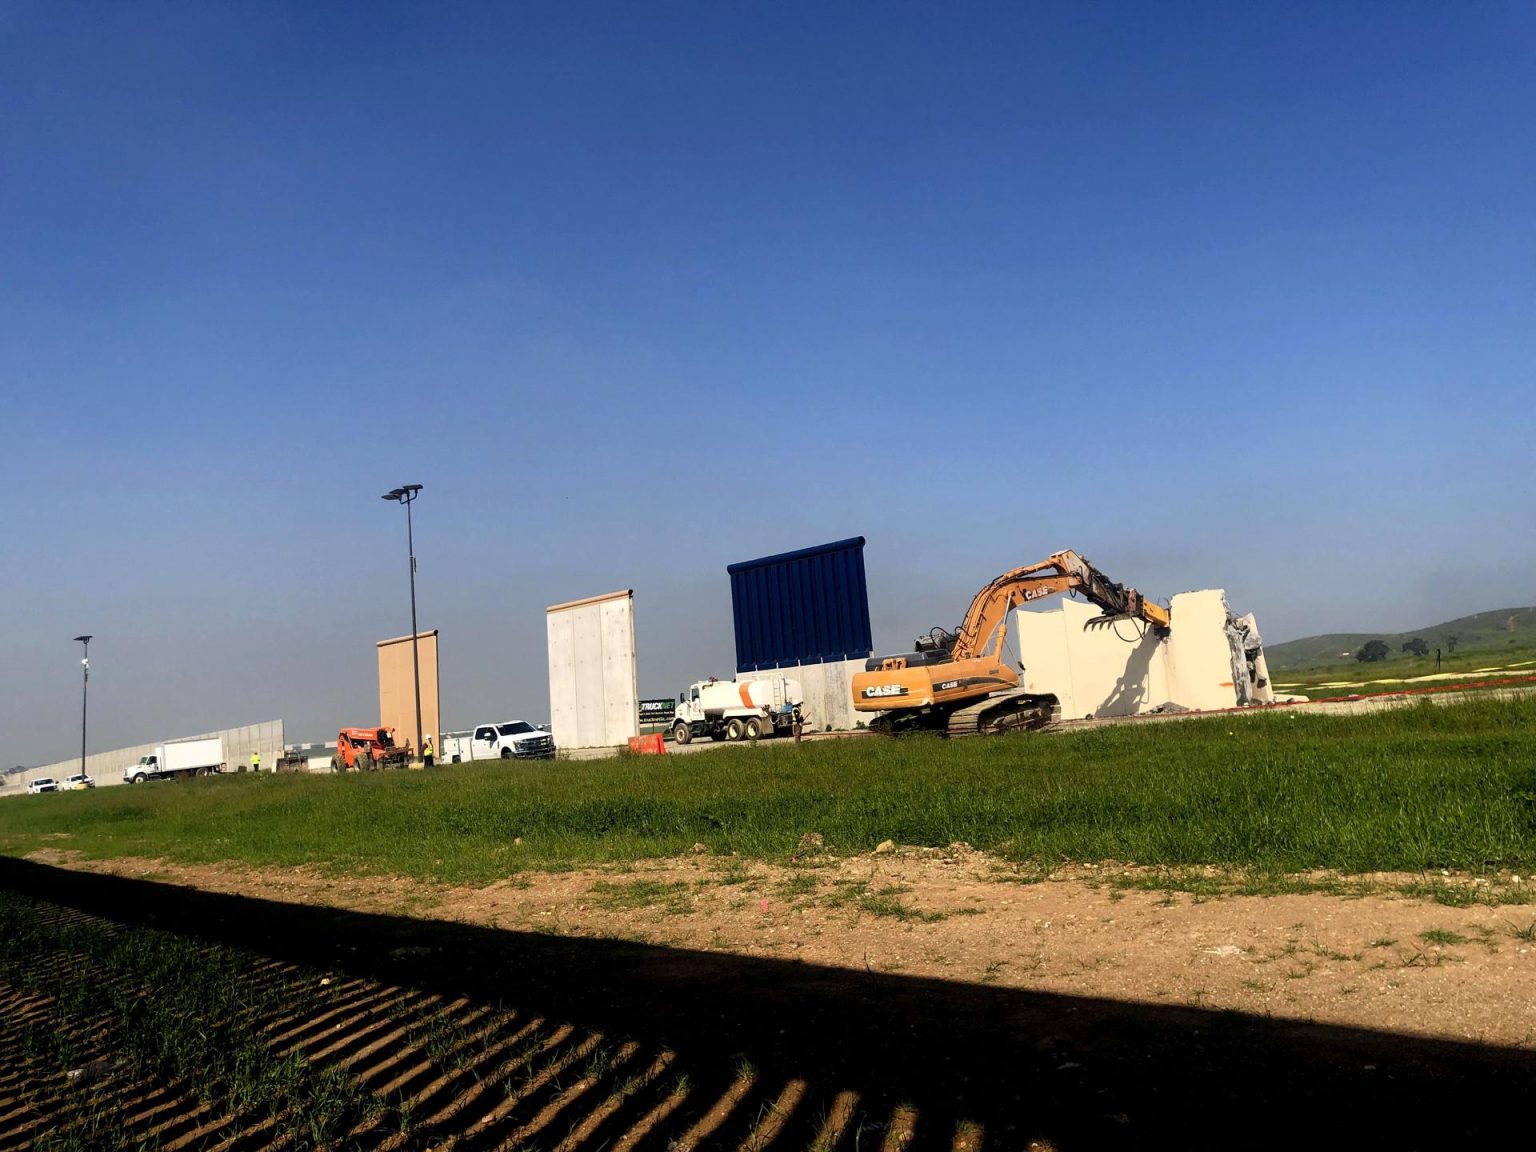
85 694
406 494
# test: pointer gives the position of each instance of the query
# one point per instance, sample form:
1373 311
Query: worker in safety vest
255 761
426 751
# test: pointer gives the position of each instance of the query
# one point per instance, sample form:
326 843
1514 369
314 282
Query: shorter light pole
85 695
405 494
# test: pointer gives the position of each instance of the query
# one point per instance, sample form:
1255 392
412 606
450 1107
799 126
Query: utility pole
406 494
85 694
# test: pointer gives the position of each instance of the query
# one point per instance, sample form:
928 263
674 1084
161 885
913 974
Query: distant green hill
1486 632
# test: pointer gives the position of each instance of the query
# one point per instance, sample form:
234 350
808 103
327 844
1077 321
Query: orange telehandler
958 682
364 749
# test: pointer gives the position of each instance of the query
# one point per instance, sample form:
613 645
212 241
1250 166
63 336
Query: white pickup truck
509 740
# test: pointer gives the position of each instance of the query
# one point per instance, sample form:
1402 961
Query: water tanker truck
738 709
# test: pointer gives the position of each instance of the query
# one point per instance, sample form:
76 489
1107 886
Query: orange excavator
958 682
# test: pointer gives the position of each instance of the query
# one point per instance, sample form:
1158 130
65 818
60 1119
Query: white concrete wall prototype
1125 670
594 694
1199 652
1117 671
827 689
106 768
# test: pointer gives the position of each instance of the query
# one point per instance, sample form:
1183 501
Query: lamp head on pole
403 494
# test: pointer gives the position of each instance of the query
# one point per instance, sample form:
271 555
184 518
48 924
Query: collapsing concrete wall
1210 659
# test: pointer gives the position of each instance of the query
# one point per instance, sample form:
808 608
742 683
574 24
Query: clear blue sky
1233 295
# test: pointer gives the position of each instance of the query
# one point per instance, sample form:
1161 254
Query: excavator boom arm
962 680
1062 572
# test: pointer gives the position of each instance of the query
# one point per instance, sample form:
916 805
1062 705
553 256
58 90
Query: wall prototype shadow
835 1058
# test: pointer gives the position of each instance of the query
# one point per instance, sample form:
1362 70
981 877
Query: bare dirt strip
903 1001
1382 961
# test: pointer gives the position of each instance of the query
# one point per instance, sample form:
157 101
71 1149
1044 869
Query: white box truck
738 709
178 760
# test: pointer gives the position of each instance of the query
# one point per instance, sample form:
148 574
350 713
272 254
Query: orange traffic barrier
653 745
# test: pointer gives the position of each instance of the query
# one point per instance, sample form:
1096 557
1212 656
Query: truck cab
148 768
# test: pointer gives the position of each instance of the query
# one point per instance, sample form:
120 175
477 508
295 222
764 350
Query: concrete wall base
828 691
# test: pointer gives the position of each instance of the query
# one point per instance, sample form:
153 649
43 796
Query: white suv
77 781
43 784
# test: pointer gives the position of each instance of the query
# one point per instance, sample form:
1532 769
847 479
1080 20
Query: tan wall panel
397 696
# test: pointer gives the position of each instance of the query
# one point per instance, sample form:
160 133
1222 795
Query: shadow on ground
656 1048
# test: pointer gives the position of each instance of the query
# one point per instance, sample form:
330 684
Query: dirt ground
1381 961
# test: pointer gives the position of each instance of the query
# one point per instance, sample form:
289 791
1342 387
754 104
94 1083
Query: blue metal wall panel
803 607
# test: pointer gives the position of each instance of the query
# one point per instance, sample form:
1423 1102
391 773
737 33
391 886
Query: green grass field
1415 788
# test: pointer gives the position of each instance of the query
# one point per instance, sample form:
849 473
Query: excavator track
1006 712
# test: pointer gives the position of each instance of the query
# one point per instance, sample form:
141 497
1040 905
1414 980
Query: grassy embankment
1488 635
1417 788
1401 671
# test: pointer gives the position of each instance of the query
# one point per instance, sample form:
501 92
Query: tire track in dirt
549 1076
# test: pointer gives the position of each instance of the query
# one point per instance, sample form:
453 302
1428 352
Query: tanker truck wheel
754 729
681 733
733 729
